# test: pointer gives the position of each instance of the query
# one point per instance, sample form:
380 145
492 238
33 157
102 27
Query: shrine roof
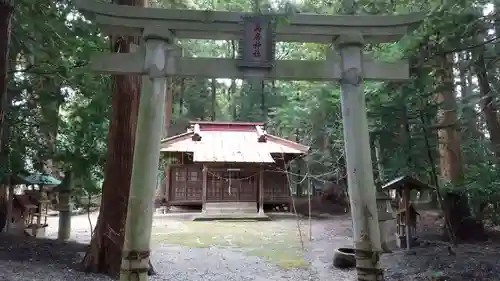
408 182
231 142
24 201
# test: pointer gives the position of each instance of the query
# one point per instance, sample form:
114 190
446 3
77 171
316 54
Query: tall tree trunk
450 163
449 148
50 101
213 88
496 6
263 108
4 149
379 160
168 107
488 103
234 102
181 96
406 141
105 251
4 159
466 90
6 11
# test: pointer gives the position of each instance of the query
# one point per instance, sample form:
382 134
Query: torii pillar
362 191
136 248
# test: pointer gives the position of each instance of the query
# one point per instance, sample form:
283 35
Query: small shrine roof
24 201
407 181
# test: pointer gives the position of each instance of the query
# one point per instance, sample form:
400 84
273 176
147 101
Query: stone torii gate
157 59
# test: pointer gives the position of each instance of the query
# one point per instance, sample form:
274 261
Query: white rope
230 178
294 209
318 177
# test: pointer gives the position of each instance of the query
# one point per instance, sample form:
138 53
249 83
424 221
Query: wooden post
204 189
379 160
10 206
362 193
261 191
309 191
165 192
168 107
166 185
406 202
291 204
136 248
35 227
298 178
398 218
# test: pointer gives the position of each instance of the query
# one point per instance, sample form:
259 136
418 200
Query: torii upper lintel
216 25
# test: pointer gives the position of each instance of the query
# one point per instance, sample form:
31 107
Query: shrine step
231 217
231 208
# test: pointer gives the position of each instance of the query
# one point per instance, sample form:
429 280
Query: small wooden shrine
232 165
29 213
406 214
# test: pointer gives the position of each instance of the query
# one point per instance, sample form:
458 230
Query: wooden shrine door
231 186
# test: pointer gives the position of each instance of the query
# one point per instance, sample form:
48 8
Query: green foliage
59 109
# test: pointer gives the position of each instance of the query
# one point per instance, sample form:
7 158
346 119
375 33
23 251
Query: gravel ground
46 262
54 261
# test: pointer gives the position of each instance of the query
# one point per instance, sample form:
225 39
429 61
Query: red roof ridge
175 137
227 123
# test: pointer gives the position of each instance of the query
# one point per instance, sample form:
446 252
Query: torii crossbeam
216 25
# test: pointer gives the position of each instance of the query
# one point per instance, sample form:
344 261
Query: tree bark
234 113
105 251
263 108
213 89
168 107
181 96
449 147
50 99
496 6
406 141
451 166
487 102
6 11
4 158
466 90
5 208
